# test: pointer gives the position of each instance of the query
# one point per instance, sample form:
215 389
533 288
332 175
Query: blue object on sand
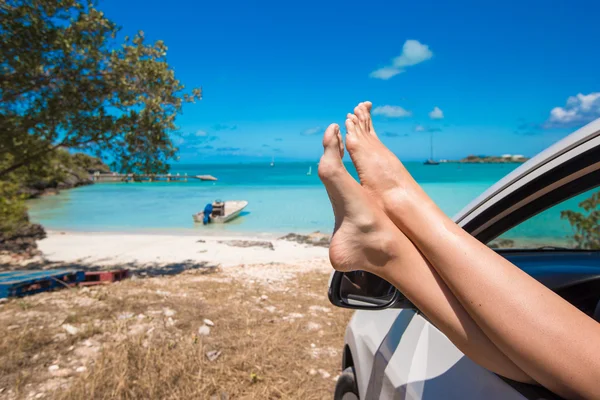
207 212
21 283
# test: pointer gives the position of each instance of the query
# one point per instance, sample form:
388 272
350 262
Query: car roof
538 164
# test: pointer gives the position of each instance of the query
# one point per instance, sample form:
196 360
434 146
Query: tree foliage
64 82
586 224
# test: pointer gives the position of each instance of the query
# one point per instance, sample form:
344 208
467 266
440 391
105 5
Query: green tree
586 225
66 82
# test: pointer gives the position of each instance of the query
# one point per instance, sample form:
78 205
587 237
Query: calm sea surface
281 199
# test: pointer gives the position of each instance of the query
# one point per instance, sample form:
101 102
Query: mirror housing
360 290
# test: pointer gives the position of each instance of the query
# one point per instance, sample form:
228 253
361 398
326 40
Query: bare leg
366 239
548 338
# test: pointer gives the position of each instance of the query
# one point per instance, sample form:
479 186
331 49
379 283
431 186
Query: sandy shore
225 251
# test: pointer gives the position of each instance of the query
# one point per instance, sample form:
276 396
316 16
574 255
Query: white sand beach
225 251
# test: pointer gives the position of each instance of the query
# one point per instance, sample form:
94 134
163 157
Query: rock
23 239
208 322
335 378
270 309
320 308
213 355
3 300
292 316
312 345
71 330
39 395
264 297
90 343
313 326
168 312
81 369
248 243
12 327
84 289
53 368
312 372
204 330
324 374
314 239
63 372
170 322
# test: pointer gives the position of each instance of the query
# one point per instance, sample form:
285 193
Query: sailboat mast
431 146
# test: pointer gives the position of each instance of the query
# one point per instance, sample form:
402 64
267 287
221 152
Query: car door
405 356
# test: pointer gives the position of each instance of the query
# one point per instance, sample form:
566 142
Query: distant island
503 159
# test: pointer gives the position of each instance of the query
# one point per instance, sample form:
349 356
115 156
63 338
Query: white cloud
413 53
391 111
312 131
579 109
385 73
419 128
201 133
436 113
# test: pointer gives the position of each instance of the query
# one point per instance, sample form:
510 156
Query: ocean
282 199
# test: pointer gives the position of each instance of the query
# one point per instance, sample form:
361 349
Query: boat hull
233 209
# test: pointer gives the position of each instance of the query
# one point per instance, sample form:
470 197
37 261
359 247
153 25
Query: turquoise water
281 199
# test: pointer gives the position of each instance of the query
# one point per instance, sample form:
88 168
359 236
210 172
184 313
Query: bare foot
364 238
379 170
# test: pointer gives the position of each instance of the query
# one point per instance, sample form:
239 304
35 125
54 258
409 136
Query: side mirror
362 290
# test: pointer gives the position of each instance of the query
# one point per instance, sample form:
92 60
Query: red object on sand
104 277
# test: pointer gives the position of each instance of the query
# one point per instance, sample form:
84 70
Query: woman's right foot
364 238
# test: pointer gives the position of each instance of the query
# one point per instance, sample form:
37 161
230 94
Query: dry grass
139 339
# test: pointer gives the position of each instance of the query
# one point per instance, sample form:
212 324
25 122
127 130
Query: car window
572 224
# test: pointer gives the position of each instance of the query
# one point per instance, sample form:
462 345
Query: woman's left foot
364 238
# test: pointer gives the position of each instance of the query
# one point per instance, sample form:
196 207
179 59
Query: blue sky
484 77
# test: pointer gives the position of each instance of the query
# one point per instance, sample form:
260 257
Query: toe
371 128
332 140
360 113
351 136
350 126
340 142
331 161
356 122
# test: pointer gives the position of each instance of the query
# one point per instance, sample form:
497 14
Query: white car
392 351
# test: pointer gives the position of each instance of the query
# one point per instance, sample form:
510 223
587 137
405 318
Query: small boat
220 212
273 162
431 162
309 173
